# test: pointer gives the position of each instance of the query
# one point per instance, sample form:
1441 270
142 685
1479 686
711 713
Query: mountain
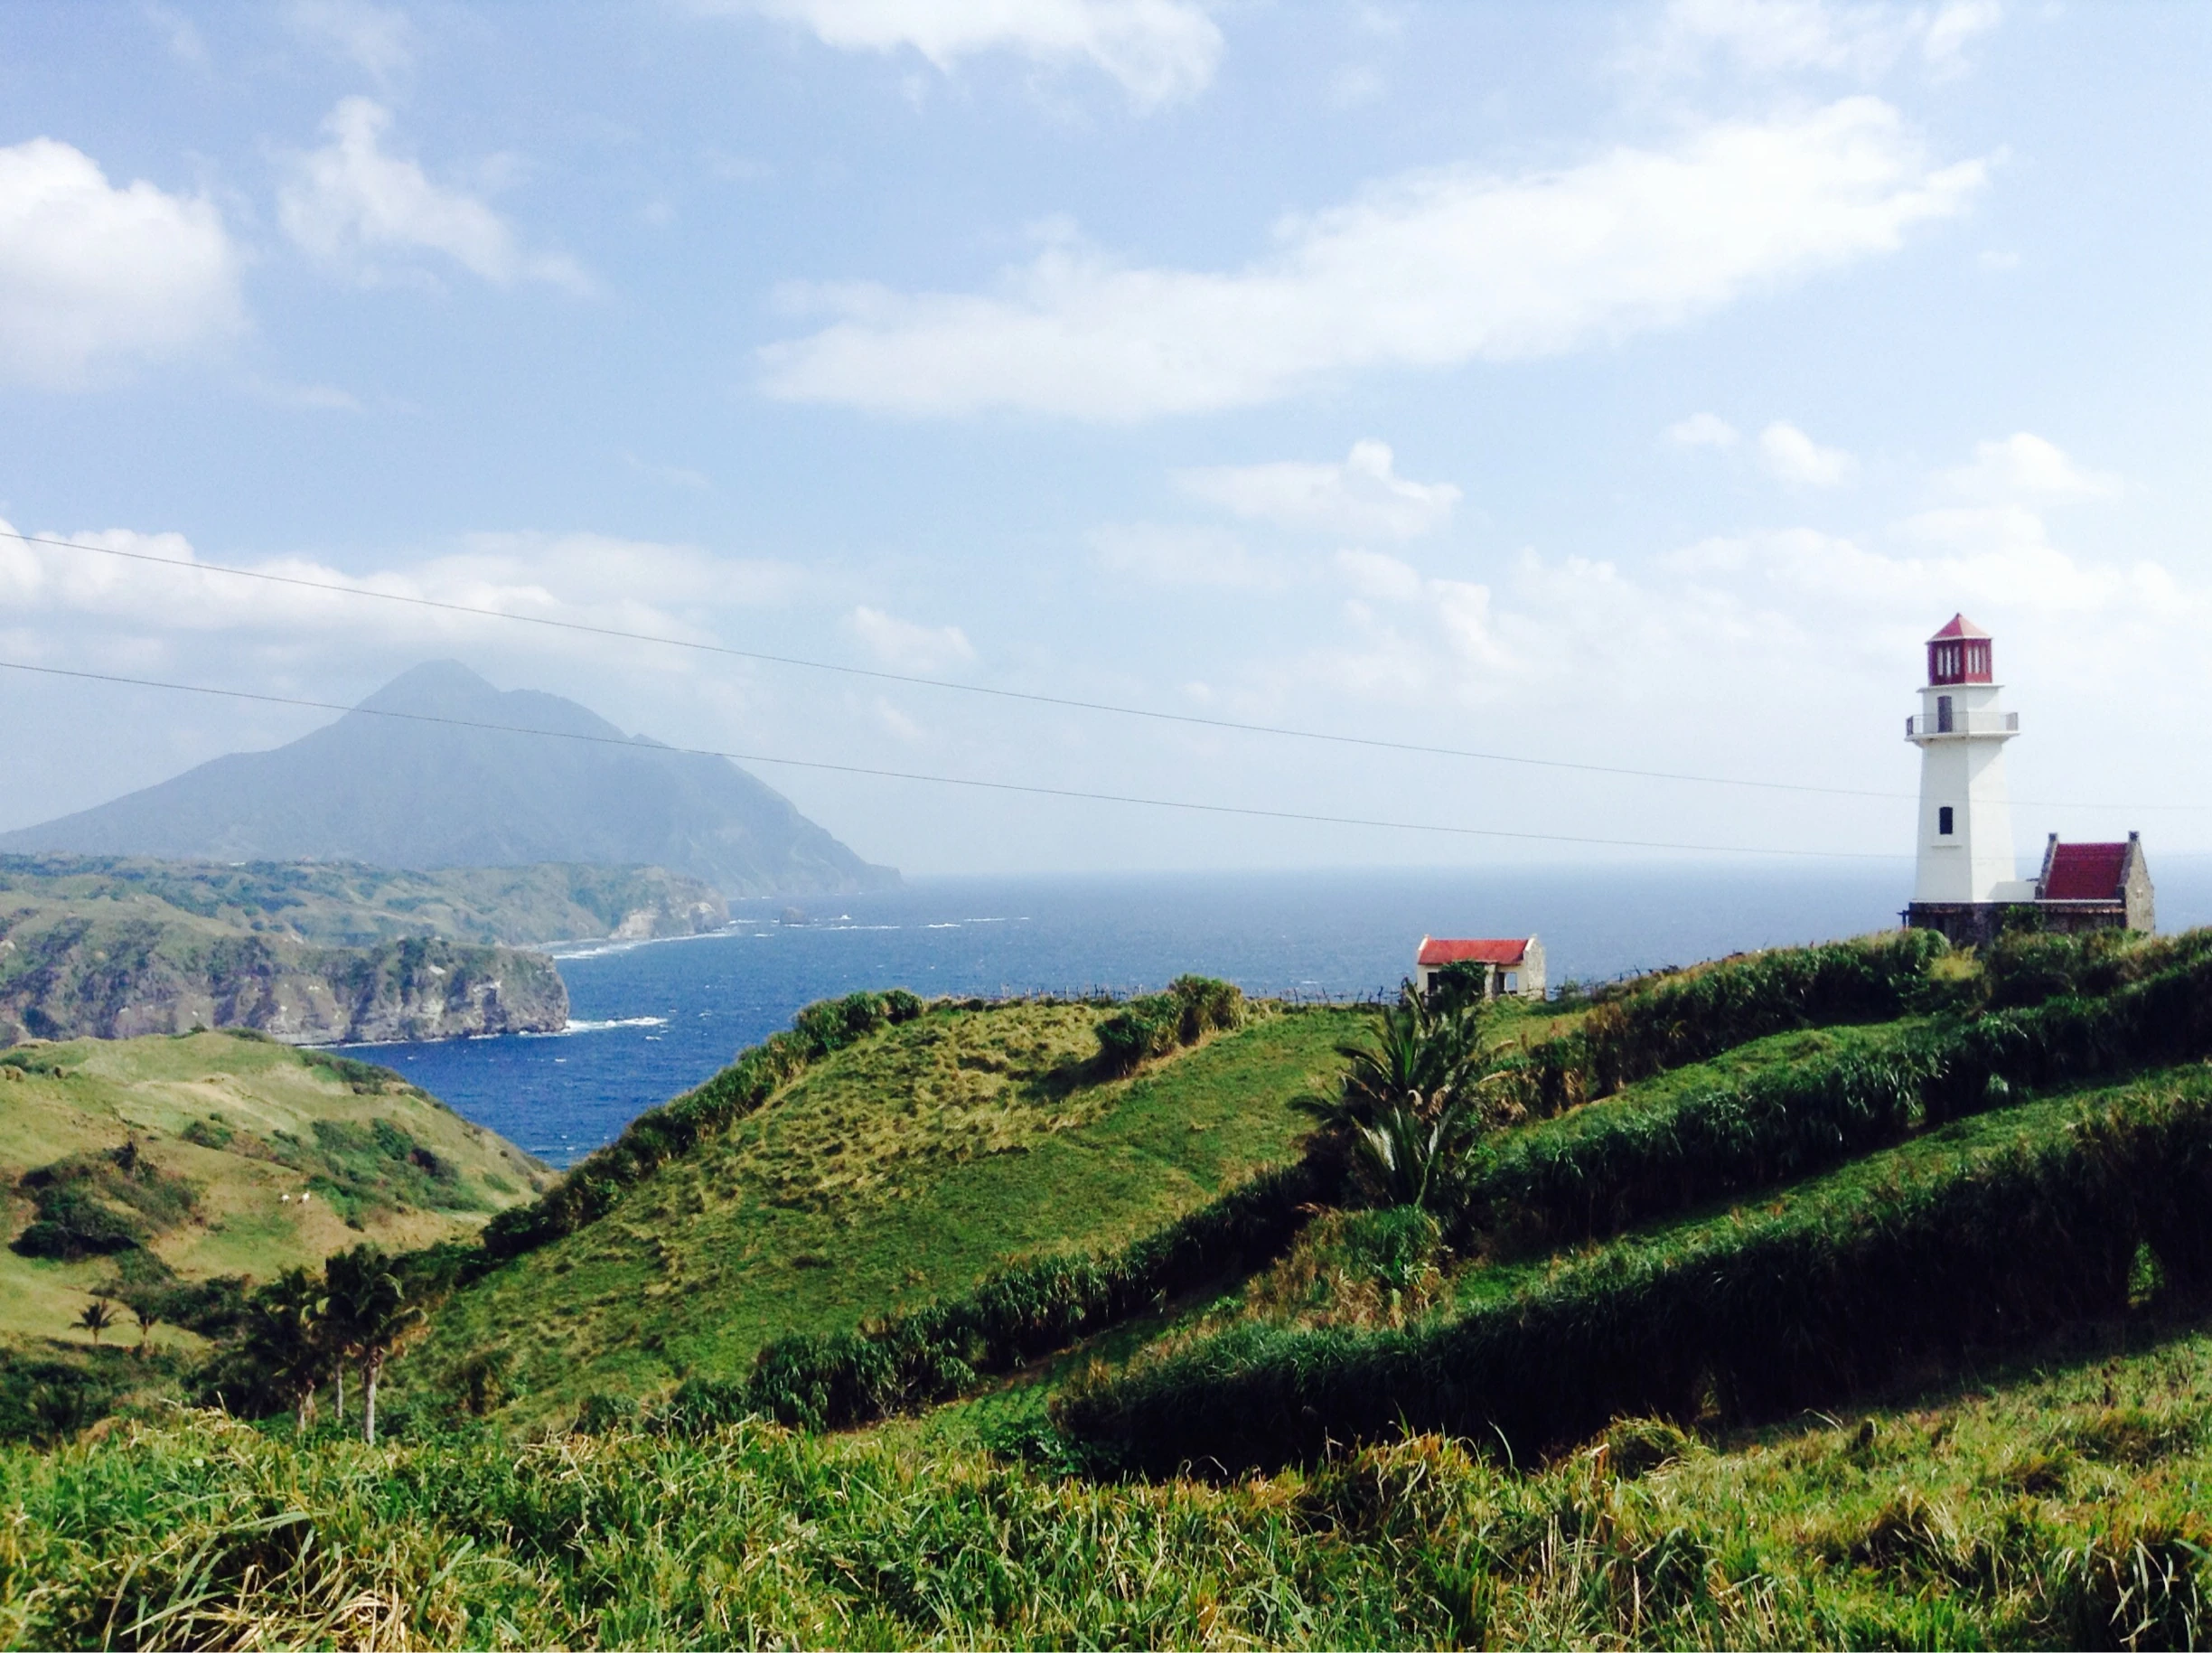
396 792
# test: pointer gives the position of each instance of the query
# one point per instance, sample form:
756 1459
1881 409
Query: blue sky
1633 385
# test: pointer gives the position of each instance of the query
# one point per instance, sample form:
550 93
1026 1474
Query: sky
1624 387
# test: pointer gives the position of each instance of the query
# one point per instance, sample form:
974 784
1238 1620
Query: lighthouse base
1977 923
1970 923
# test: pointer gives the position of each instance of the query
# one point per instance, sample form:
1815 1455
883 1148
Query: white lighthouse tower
1965 860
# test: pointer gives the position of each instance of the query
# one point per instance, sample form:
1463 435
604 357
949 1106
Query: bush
1757 1317
1157 1023
42 1401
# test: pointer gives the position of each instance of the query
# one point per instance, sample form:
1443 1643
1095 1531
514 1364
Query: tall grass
1902 1529
1601 1170
1753 1315
1691 1016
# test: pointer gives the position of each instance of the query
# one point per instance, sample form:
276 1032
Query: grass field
247 1127
902 1167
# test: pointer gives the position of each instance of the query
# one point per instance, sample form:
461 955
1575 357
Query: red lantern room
1959 653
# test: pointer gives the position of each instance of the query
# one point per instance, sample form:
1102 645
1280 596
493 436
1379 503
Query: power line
949 780
1192 719
1065 702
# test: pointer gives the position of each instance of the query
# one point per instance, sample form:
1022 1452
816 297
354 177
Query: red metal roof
1511 951
2085 872
1959 626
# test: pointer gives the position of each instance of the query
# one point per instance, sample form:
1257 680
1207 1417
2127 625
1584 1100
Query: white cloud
586 577
1794 457
1375 575
1159 50
910 647
2026 466
1770 37
89 272
349 203
1428 270
1168 555
1703 431
1437 636
374 38
1364 497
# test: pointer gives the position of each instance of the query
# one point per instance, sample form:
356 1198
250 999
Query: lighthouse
1964 872
1963 879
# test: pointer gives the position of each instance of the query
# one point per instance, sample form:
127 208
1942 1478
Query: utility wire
946 780
1283 731
1067 702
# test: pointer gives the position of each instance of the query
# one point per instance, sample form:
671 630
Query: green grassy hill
901 1168
215 1154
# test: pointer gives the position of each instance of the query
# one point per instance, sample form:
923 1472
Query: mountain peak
463 776
442 687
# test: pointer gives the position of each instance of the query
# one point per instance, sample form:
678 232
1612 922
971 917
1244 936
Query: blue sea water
653 1018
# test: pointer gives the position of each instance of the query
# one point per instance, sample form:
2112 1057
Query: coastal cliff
75 976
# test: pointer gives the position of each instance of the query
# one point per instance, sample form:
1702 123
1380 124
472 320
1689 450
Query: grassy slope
2036 1506
153 1089
902 1167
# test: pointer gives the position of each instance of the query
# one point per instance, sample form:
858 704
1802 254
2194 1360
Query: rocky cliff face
117 979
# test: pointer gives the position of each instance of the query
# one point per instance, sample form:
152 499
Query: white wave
620 1021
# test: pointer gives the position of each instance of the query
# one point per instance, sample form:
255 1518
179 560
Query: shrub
1157 1023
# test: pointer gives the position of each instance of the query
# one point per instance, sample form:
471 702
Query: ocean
653 1018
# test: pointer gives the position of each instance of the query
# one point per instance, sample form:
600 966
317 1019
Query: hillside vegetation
162 1162
346 904
902 1166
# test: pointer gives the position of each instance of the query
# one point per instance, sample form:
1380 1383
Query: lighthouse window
1942 821
1943 718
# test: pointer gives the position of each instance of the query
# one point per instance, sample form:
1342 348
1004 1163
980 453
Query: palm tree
148 1316
1406 1159
1407 1108
97 1318
1426 1052
282 1335
368 1301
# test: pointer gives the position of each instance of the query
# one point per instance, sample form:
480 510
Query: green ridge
902 1167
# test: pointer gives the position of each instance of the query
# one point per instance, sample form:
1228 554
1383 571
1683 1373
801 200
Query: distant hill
167 1162
345 903
394 792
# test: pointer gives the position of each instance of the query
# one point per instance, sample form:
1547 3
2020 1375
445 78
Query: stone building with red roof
1513 964
2095 887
